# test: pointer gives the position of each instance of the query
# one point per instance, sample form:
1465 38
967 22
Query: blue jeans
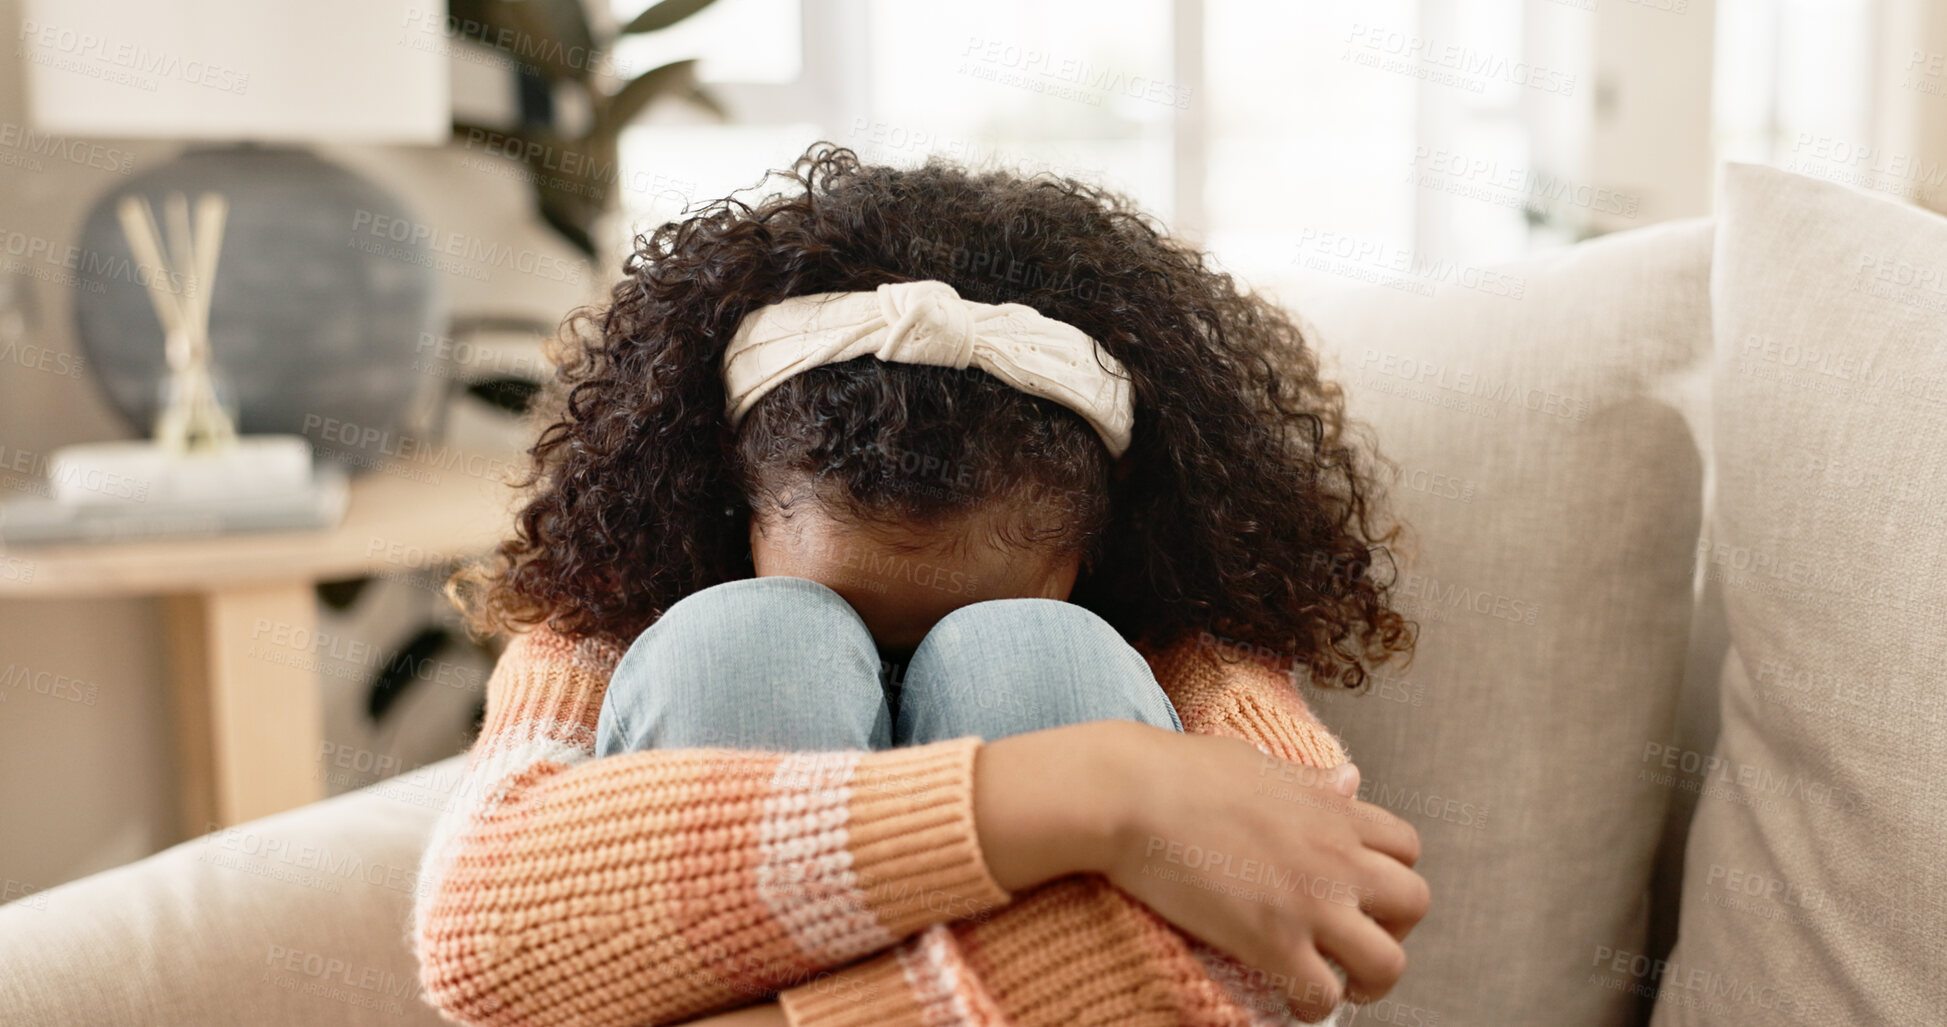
786 665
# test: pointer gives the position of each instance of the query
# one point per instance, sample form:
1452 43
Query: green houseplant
558 56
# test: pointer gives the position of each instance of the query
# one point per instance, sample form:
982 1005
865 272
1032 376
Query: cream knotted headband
928 323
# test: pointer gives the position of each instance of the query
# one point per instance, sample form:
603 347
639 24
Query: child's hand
1270 861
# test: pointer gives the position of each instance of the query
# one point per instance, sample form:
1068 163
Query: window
1306 144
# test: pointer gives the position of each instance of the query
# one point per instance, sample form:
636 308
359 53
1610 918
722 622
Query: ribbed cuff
544 680
925 979
915 850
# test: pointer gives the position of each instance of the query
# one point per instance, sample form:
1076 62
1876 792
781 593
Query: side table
241 611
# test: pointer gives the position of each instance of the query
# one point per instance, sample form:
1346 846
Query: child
969 593
877 521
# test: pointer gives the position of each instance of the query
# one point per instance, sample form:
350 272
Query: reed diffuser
182 268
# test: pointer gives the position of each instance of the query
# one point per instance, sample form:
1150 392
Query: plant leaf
565 225
618 110
551 36
705 99
663 15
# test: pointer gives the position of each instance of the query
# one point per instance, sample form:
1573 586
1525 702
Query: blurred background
419 192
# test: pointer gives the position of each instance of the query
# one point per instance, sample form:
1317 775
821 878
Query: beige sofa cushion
1815 883
1553 491
295 919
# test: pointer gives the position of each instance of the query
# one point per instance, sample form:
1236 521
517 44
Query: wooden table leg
249 705
189 693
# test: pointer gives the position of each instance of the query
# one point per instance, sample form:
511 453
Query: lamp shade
371 71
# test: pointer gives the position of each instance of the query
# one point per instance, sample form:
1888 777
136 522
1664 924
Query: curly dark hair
1242 509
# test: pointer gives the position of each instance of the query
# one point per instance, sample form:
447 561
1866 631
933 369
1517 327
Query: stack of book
127 490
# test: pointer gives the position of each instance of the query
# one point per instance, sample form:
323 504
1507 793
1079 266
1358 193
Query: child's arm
656 886
1079 951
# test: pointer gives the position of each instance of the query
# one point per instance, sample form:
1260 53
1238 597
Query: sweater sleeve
1079 951
652 887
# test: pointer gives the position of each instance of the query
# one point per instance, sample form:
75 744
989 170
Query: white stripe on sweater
932 969
805 876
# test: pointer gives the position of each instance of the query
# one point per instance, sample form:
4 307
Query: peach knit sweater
653 887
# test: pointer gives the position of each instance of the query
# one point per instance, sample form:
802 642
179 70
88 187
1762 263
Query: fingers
1317 990
1397 898
1389 834
1373 960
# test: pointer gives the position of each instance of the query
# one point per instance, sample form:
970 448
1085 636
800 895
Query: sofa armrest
299 918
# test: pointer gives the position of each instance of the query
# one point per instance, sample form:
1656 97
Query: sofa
1675 508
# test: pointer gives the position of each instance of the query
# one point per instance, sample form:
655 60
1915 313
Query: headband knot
926 322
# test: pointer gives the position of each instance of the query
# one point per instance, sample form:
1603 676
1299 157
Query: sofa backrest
1540 418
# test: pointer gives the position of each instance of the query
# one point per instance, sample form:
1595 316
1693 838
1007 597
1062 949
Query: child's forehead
981 529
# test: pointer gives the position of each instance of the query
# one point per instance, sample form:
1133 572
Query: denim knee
1008 666
774 663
